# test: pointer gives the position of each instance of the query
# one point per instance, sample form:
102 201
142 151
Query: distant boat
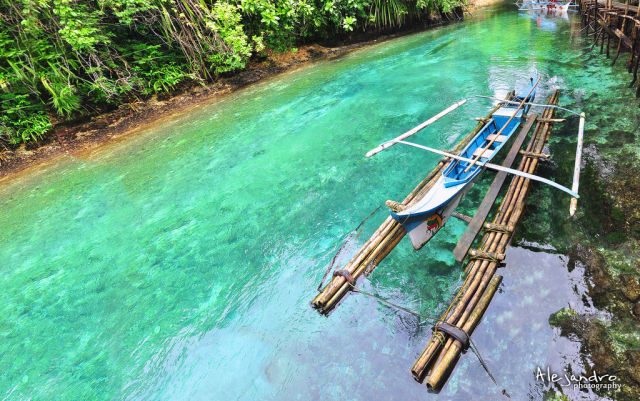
431 212
544 5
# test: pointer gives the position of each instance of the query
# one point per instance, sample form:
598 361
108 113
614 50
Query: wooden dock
617 24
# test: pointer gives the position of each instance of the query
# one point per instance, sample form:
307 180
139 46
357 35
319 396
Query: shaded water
180 264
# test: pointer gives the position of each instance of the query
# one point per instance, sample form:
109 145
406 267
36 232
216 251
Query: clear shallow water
180 264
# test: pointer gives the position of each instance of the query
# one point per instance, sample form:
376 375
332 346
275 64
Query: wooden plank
487 152
482 213
618 5
500 138
631 18
616 32
624 38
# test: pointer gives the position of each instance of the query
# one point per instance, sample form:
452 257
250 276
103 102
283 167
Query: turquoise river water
179 264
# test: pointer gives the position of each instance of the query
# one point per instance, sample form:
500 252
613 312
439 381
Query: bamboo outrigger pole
415 129
497 167
576 169
576 175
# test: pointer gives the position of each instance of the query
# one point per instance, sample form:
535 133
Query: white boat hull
420 235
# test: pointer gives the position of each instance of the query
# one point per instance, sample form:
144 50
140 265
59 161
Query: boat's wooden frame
576 178
427 216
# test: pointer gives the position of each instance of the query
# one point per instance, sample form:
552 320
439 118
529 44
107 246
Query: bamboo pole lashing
537 155
479 254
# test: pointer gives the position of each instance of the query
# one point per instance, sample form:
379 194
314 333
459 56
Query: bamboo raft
442 351
386 237
481 281
614 21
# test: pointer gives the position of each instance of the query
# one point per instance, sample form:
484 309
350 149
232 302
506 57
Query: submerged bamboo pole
449 359
441 353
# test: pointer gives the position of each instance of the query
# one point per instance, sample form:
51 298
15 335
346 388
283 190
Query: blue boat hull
429 214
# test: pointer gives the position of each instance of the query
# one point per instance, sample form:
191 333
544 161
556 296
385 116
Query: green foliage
21 120
226 21
163 79
60 59
389 12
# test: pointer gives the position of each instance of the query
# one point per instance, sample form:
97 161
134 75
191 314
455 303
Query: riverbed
179 264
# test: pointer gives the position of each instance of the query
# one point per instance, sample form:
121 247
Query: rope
498 230
474 349
487 258
348 243
391 304
473 346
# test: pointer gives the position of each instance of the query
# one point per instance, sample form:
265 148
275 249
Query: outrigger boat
426 217
429 214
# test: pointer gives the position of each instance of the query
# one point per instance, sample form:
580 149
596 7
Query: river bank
74 138
81 136
90 132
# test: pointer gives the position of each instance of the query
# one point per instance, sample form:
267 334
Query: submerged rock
612 341
633 364
630 287
567 320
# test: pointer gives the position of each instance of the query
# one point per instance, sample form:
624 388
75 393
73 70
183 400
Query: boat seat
487 154
500 138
